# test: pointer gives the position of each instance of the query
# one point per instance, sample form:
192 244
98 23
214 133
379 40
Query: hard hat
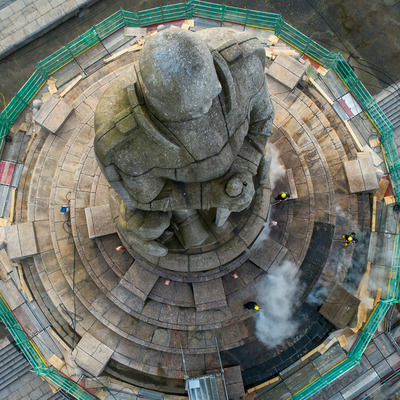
256 307
349 238
283 195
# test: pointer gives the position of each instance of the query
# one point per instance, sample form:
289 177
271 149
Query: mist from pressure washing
277 294
278 291
277 169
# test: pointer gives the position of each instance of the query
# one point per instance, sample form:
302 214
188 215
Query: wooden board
383 185
389 200
24 286
56 362
72 84
262 385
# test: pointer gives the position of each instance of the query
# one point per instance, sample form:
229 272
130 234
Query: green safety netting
34 357
258 19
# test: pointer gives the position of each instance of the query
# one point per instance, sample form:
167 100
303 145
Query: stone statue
185 129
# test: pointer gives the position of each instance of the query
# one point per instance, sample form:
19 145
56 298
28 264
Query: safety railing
36 360
258 19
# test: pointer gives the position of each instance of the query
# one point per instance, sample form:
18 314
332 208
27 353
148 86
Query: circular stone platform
121 298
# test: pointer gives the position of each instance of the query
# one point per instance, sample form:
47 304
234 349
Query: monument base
218 252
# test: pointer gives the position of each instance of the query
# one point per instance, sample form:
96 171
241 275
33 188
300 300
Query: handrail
258 19
35 358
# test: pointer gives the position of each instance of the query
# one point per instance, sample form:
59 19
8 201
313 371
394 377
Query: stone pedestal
21 241
99 221
286 70
361 174
53 114
91 354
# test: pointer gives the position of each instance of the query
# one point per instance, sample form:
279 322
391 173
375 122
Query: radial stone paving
121 299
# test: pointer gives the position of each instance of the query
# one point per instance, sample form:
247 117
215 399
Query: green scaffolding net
258 19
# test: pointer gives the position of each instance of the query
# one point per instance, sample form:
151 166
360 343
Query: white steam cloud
276 170
277 293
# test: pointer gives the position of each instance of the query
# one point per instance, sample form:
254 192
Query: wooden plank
12 205
378 296
262 385
310 353
61 341
56 362
321 70
342 341
101 394
45 96
361 318
373 220
4 221
374 142
24 286
72 84
383 185
354 136
51 84
133 48
5 261
322 91
31 140
390 200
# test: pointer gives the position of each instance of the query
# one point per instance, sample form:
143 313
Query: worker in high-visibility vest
251 305
350 239
282 197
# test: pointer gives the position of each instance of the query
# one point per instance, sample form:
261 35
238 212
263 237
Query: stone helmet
178 77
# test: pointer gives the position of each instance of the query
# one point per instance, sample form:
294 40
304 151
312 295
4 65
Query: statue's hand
234 192
142 228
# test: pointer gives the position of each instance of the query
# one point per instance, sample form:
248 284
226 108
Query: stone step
13 365
6 352
390 106
334 155
46 305
334 120
314 158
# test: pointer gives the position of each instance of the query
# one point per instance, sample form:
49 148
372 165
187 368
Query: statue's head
178 75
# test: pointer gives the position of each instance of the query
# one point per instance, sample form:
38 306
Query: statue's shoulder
232 44
114 99
113 115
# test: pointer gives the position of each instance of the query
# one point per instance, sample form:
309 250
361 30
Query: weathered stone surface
208 295
21 241
354 176
234 382
292 184
201 156
91 354
265 253
286 70
339 307
99 221
53 114
13 243
368 172
361 174
139 280
203 262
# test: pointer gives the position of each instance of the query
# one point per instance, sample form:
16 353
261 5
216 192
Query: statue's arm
262 113
260 128
202 195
